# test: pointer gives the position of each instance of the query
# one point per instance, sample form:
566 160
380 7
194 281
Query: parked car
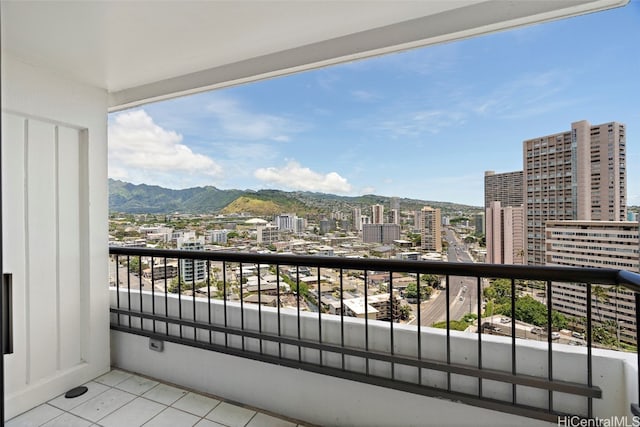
577 335
555 336
536 330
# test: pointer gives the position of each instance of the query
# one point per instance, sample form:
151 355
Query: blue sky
424 124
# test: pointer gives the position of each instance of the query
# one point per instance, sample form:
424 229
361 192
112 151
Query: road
462 290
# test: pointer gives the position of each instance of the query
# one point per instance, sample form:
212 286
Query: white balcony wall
327 400
54 189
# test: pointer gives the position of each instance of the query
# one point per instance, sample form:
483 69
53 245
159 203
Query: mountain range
125 197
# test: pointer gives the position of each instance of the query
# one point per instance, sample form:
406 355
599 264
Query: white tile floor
122 399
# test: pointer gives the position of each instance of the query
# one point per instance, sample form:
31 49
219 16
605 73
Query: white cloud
239 123
417 123
297 177
364 95
525 96
140 150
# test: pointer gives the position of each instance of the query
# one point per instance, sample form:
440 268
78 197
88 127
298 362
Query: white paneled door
44 218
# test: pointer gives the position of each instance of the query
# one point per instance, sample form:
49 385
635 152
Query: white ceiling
142 51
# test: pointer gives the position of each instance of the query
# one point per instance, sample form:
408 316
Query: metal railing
367 350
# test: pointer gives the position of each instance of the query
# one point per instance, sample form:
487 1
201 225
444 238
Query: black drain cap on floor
75 392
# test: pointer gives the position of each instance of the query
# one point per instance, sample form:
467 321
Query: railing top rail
606 276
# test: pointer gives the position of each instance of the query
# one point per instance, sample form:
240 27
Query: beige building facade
598 244
505 234
505 188
430 229
504 217
574 175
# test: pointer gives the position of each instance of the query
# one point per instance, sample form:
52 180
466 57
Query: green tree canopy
412 291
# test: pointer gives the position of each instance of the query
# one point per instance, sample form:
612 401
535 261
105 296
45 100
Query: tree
411 292
405 311
173 285
599 293
499 291
430 279
134 265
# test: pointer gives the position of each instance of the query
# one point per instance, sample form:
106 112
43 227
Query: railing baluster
366 320
319 313
479 331
549 343
180 294
193 295
209 299
278 308
298 310
418 286
513 339
241 305
166 297
153 293
259 308
129 287
140 290
118 286
448 304
342 315
224 301
637 298
391 319
589 355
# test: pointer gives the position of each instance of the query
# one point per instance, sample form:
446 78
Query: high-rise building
417 220
380 233
609 244
395 203
574 175
430 229
479 222
504 229
299 225
505 234
285 221
267 234
377 214
356 217
394 216
505 188
192 270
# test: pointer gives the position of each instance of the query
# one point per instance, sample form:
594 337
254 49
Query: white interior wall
55 232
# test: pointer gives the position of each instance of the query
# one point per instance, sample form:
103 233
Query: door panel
13 255
42 218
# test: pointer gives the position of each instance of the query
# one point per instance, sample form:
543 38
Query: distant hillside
130 198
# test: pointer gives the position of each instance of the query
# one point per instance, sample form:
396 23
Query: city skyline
423 124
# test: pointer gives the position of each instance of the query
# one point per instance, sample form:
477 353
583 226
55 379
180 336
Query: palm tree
600 294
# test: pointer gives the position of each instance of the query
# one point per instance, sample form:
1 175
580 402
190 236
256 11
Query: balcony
66 65
368 372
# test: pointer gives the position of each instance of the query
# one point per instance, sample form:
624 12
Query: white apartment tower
574 175
430 229
356 215
285 221
192 270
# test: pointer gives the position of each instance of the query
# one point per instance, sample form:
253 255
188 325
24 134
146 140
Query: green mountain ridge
130 198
